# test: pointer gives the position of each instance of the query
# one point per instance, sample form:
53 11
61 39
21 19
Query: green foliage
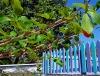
58 61
4 19
16 4
32 27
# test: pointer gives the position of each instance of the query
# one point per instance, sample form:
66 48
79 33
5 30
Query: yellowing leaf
86 24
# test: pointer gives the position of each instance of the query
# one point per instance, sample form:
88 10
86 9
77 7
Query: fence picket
94 60
75 58
57 69
71 64
60 55
98 54
79 63
64 60
47 63
88 55
83 59
54 62
50 61
67 61
43 65
57 64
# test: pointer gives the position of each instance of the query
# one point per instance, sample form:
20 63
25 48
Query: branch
60 22
10 40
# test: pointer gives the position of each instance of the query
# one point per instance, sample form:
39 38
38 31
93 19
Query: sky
96 32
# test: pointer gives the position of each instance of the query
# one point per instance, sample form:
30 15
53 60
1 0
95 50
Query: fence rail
81 59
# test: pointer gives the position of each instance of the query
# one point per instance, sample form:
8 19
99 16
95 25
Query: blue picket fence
81 59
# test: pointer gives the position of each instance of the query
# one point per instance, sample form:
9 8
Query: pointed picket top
98 47
83 58
98 53
57 71
64 50
88 55
75 58
53 52
43 63
94 58
54 55
93 44
67 61
71 60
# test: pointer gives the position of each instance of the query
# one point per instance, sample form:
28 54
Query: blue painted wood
79 63
57 64
64 70
60 55
83 59
75 58
93 53
71 64
98 53
48 62
53 62
67 61
43 64
57 69
88 55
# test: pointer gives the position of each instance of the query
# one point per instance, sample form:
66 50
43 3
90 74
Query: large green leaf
79 5
40 25
86 24
63 11
22 43
40 38
23 19
49 35
13 33
95 17
4 19
27 23
45 15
